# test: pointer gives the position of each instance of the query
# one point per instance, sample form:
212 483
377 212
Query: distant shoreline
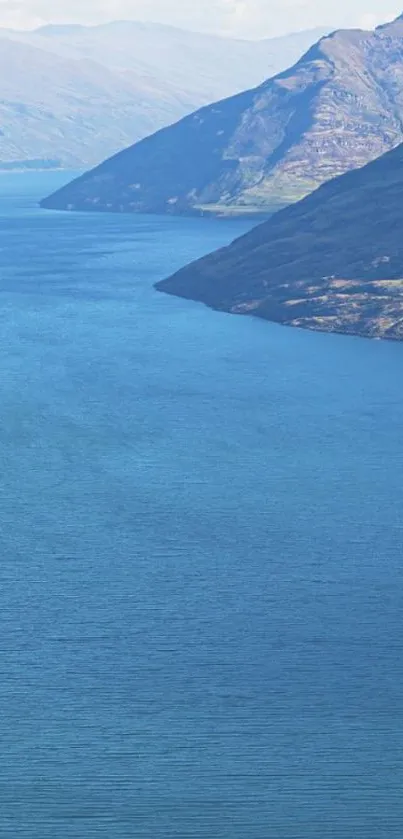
22 171
20 166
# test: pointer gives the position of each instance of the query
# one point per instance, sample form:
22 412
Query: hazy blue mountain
71 112
339 107
74 95
332 262
201 67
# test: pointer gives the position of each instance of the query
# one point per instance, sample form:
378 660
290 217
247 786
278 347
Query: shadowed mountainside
332 262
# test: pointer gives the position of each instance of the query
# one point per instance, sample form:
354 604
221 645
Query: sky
240 18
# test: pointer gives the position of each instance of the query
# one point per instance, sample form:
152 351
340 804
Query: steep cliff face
332 262
339 107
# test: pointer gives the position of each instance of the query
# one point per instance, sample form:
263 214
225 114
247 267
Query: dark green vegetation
333 262
338 108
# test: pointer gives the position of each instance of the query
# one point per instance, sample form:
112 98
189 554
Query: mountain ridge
338 107
148 77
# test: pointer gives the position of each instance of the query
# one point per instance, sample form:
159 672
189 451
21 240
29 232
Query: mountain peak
335 110
396 22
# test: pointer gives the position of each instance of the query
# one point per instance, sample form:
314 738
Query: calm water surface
201 575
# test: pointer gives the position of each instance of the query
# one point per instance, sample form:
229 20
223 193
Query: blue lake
201 576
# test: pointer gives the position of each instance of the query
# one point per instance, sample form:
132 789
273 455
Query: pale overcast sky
244 18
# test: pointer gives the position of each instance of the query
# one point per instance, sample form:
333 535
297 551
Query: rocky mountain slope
332 262
339 107
72 95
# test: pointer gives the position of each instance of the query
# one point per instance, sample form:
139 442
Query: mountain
201 68
62 112
332 262
339 107
72 95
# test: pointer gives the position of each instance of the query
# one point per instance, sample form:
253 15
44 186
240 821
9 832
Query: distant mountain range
332 262
72 95
339 107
